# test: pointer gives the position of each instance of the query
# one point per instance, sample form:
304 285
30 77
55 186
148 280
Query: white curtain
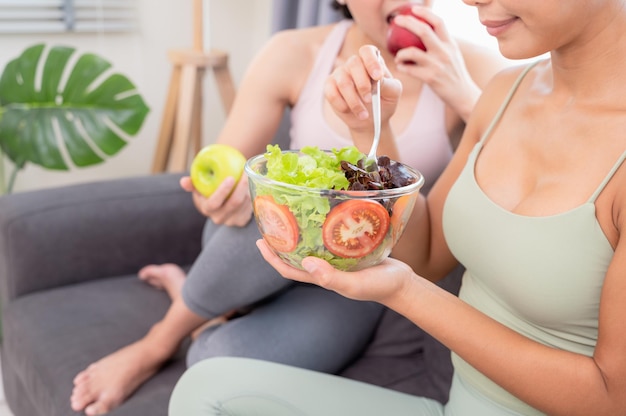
288 14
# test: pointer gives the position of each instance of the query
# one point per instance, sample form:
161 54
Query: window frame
67 16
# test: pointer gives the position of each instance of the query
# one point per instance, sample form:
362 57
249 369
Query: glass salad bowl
304 206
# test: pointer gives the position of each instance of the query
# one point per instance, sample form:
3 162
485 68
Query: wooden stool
181 126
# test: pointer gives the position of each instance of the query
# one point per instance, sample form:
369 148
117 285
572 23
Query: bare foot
105 384
168 277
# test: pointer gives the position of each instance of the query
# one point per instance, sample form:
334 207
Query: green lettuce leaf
316 169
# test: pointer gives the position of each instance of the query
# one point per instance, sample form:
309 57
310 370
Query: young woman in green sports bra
533 204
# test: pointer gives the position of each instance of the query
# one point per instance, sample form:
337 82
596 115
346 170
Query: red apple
399 37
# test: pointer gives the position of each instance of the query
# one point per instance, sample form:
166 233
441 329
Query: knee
197 391
210 343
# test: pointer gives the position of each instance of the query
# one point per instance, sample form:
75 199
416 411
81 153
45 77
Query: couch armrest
77 233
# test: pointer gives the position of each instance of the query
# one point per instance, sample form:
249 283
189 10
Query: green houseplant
55 109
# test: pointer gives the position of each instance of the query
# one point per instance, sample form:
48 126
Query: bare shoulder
495 93
504 81
282 66
297 47
482 62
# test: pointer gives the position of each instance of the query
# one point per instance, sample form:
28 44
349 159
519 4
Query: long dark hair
342 8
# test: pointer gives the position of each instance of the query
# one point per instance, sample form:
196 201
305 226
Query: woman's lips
497 27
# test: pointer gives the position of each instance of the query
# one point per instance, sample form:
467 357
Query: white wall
237 26
462 21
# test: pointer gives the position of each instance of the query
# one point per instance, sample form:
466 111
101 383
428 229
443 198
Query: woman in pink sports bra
293 323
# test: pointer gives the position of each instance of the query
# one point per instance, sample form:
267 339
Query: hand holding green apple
213 164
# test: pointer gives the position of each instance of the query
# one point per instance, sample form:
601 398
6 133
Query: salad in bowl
328 204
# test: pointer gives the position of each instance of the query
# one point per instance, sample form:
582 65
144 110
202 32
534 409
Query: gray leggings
238 386
296 324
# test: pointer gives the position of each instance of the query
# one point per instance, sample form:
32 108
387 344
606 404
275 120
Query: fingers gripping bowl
310 203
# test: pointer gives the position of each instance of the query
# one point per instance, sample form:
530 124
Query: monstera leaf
54 109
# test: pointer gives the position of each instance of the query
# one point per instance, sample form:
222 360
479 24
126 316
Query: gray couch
70 295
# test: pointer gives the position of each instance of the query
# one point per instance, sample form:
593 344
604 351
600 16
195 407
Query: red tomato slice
400 215
276 223
355 228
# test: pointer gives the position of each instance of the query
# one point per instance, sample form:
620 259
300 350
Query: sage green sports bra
540 276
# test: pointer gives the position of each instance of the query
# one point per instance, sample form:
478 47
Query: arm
554 381
270 85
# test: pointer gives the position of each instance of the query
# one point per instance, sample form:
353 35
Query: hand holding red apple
440 64
399 37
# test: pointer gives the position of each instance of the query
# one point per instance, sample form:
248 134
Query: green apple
213 164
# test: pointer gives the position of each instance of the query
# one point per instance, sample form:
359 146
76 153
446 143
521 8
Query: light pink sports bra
424 144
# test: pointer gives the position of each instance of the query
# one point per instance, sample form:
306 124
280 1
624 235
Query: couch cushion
52 335
405 358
